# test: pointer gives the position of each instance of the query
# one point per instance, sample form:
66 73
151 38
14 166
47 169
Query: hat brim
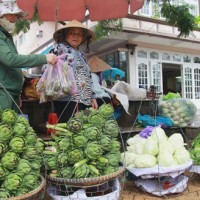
60 34
97 65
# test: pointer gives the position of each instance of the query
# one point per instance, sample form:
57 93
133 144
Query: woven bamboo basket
85 182
36 194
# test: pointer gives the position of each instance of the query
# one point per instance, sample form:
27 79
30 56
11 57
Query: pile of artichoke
20 155
84 147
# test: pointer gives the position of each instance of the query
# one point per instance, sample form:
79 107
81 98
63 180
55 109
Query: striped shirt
77 60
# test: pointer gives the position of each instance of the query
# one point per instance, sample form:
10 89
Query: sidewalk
131 192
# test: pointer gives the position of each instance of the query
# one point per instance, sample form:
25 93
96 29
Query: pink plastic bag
57 81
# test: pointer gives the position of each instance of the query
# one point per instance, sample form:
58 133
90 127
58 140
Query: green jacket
11 63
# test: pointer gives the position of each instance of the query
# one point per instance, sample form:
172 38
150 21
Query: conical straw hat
97 65
60 34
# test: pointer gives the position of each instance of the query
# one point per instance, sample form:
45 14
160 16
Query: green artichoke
19 129
23 167
30 182
30 153
10 160
5 132
79 141
105 143
4 193
63 143
92 133
109 170
21 119
39 145
106 110
75 125
113 159
115 147
102 163
3 172
31 138
17 144
35 165
82 171
12 182
111 128
9 116
50 163
75 155
93 150
96 119
3 148
62 159
66 172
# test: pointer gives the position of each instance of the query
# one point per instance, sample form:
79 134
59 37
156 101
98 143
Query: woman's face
74 37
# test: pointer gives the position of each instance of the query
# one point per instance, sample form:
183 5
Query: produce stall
20 158
158 161
82 160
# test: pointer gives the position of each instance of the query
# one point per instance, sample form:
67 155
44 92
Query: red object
62 10
52 119
136 5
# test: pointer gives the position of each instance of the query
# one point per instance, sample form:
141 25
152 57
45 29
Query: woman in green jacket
11 80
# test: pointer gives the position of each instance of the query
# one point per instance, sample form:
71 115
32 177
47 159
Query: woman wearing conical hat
68 40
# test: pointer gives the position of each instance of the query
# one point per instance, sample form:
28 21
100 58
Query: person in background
101 95
11 79
97 65
68 39
117 78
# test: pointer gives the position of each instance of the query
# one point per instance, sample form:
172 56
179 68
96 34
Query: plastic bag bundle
57 81
180 110
147 120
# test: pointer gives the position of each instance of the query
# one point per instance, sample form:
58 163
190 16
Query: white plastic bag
131 92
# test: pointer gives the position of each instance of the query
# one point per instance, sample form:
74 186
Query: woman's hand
51 58
94 104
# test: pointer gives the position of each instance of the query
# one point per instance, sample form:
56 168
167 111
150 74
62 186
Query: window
166 56
196 59
142 75
187 59
142 54
176 58
188 82
156 71
197 83
154 55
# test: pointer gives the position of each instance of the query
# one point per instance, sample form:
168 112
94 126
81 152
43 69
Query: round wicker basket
86 182
36 194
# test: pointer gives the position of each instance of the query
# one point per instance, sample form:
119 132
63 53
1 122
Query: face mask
7 25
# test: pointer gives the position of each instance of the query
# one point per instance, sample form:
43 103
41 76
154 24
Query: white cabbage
165 144
136 144
151 146
158 134
128 157
176 140
181 155
165 159
145 161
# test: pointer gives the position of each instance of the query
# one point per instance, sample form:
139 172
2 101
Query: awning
62 10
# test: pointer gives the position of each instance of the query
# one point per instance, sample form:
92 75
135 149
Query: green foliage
106 27
21 25
180 17
24 25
